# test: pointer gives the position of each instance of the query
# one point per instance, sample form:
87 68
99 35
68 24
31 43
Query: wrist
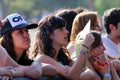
105 64
84 52
107 69
85 46
107 75
12 71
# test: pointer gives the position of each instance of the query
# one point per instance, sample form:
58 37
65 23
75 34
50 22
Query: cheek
17 40
94 52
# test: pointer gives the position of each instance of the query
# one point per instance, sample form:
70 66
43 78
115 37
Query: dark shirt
25 61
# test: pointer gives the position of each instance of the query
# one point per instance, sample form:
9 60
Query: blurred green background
35 9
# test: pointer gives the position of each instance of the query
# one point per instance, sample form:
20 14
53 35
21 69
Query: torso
25 61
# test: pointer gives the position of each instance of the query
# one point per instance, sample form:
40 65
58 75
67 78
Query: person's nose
66 31
26 34
99 28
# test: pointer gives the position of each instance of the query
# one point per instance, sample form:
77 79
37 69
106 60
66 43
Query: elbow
72 76
37 74
48 70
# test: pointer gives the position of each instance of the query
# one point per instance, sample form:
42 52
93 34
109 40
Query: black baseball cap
15 21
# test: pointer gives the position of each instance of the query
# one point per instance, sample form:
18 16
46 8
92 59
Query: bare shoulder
42 58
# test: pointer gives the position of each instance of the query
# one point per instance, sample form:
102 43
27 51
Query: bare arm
97 77
60 68
49 60
74 72
113 70
48 70
33 71
78 64
5 59
114 73
5 71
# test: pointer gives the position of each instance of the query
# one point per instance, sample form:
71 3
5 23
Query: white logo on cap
15 19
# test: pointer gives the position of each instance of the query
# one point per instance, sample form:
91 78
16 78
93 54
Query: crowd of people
58 52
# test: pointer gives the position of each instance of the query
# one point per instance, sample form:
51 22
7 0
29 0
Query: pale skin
97 27
73 72
19 71
98 55
22 36
115 33
22 42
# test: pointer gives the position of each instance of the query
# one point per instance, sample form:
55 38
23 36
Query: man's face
117 31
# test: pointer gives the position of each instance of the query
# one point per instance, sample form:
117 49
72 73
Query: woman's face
21 39
98 50
59 36
97 26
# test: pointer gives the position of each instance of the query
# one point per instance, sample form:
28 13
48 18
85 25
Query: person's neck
18 54
114 39
57 48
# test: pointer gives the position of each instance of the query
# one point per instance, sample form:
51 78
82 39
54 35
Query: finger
66 69
0 77
5 78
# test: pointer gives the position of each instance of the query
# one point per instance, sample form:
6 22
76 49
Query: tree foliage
33 8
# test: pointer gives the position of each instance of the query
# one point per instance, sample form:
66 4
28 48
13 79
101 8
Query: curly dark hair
43 44
111 16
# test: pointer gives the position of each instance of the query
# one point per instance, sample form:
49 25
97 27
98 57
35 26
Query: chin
27 47
65 44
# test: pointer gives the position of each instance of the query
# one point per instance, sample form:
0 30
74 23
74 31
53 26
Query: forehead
20 29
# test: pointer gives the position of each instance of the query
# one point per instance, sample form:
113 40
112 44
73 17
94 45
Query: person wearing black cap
15 39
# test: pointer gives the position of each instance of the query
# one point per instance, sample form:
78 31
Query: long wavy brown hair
81 20
43 43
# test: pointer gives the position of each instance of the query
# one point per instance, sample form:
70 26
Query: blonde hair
80 21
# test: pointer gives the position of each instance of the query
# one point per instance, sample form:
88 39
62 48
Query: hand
89 40
5 78
67 69
116 63
6 71
101 59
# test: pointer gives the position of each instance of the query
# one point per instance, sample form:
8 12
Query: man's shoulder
104 37
106 40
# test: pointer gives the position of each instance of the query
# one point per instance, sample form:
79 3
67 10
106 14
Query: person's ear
51 36
112 27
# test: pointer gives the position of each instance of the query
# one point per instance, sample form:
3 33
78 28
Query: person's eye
26 30
20 31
